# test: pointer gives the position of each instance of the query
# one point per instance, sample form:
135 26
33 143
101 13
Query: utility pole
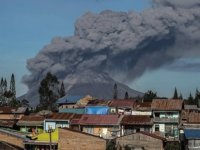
50 138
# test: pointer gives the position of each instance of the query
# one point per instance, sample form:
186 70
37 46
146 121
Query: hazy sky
28 25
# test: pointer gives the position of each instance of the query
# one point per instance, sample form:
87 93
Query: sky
26 26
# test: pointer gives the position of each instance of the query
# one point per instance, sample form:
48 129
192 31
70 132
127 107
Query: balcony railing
166 120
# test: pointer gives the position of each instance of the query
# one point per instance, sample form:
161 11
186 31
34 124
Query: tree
180 97
197 98
49 91
126 95
175 94
25 103
62 90
115 92
191 100
12 85
149 96
4 86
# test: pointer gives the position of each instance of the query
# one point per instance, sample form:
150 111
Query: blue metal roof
192 133
69 99
97 110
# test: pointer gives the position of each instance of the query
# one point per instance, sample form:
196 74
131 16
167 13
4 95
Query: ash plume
121 43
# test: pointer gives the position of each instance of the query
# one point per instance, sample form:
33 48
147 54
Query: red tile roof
100 120
122 103
167 104
136 120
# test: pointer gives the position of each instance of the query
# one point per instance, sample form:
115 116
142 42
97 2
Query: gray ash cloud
124 43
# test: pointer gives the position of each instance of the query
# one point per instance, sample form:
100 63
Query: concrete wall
140 141
75 140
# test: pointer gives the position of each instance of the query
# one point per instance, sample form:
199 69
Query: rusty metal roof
98 102
122 103
12 110
136 120
167 104
60 116
100 120
143 106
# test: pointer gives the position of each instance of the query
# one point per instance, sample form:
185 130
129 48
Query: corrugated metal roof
167 104
68 99
12 110
60 116
98 102
190 107
194 117
143 106
100 120
122 103
31 120
192 133
136 120
72 110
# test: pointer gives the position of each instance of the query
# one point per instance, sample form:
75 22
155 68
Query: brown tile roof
136 120
122 103
60 116
100 120
166 104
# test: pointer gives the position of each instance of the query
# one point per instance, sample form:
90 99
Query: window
157 127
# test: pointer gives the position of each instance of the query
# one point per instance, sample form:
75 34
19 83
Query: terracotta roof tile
136 120
166 104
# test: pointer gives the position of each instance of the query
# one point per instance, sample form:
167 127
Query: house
167 117
140 141
29 122
192 139
142 108
71 139
106 126
43 141
192 120
56 120
9 116
135 123
122 106
68 101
